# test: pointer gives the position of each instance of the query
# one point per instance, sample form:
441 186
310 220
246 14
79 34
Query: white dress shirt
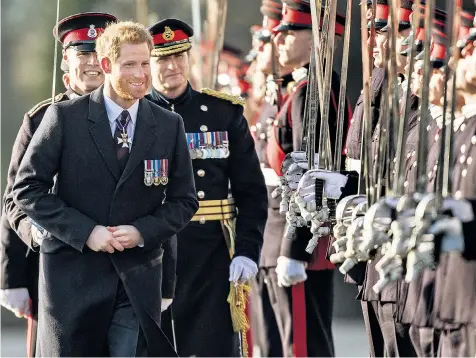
114 111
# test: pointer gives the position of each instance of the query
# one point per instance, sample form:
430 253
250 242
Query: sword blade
172 323
422 154
444 172
395 120
402 129
382 144
311 103
367 125
342 105
324 137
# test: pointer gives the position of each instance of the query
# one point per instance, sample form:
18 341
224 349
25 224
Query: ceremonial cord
55 59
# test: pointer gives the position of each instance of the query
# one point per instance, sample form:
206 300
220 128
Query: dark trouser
318 303
460 342
202 319
386 337
372 327
122 337
264 327
425 340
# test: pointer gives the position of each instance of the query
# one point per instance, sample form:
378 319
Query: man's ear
105 65
66 80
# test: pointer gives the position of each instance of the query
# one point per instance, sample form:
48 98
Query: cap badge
92 33
168 34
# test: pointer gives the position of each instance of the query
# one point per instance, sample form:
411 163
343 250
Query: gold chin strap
170 50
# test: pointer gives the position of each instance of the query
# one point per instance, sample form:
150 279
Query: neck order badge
122 124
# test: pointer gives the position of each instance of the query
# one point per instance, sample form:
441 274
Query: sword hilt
319 191
332 204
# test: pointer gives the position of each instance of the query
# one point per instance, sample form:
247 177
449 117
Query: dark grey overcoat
77 287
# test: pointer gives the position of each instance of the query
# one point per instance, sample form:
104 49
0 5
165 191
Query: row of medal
156 172
208 145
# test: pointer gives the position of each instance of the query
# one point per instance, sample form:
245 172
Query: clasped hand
111 238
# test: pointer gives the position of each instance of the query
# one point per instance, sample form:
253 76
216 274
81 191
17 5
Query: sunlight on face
293 47
170 73
381 42
130 73
85 74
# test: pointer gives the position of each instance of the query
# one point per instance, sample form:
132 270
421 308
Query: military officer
223 157
19 262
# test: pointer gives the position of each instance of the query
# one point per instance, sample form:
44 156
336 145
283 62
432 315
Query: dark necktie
122 138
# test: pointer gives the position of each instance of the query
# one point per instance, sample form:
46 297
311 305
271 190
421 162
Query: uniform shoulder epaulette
227 97
44 104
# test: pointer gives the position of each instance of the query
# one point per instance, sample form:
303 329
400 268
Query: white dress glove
290 271
294 174
333 184
296 157
460 208
16 300
242 269
166 302
452 229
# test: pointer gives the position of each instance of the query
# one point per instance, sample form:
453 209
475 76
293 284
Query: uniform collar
287 79
437 114
469 110
301 73
436 111
72 94
459 120
183 98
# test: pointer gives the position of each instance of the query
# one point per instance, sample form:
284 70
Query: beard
129 92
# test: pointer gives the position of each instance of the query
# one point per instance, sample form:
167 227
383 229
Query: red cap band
178 35
339 29
463 32
438 51
296 17
269 23
404 15
420 34
381 12
301 18
89 34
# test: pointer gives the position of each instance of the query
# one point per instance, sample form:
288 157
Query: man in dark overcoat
124 186
19 279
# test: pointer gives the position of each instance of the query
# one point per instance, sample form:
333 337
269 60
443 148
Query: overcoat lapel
100 130
144 135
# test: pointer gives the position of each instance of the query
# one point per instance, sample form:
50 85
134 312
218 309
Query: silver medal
148 178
